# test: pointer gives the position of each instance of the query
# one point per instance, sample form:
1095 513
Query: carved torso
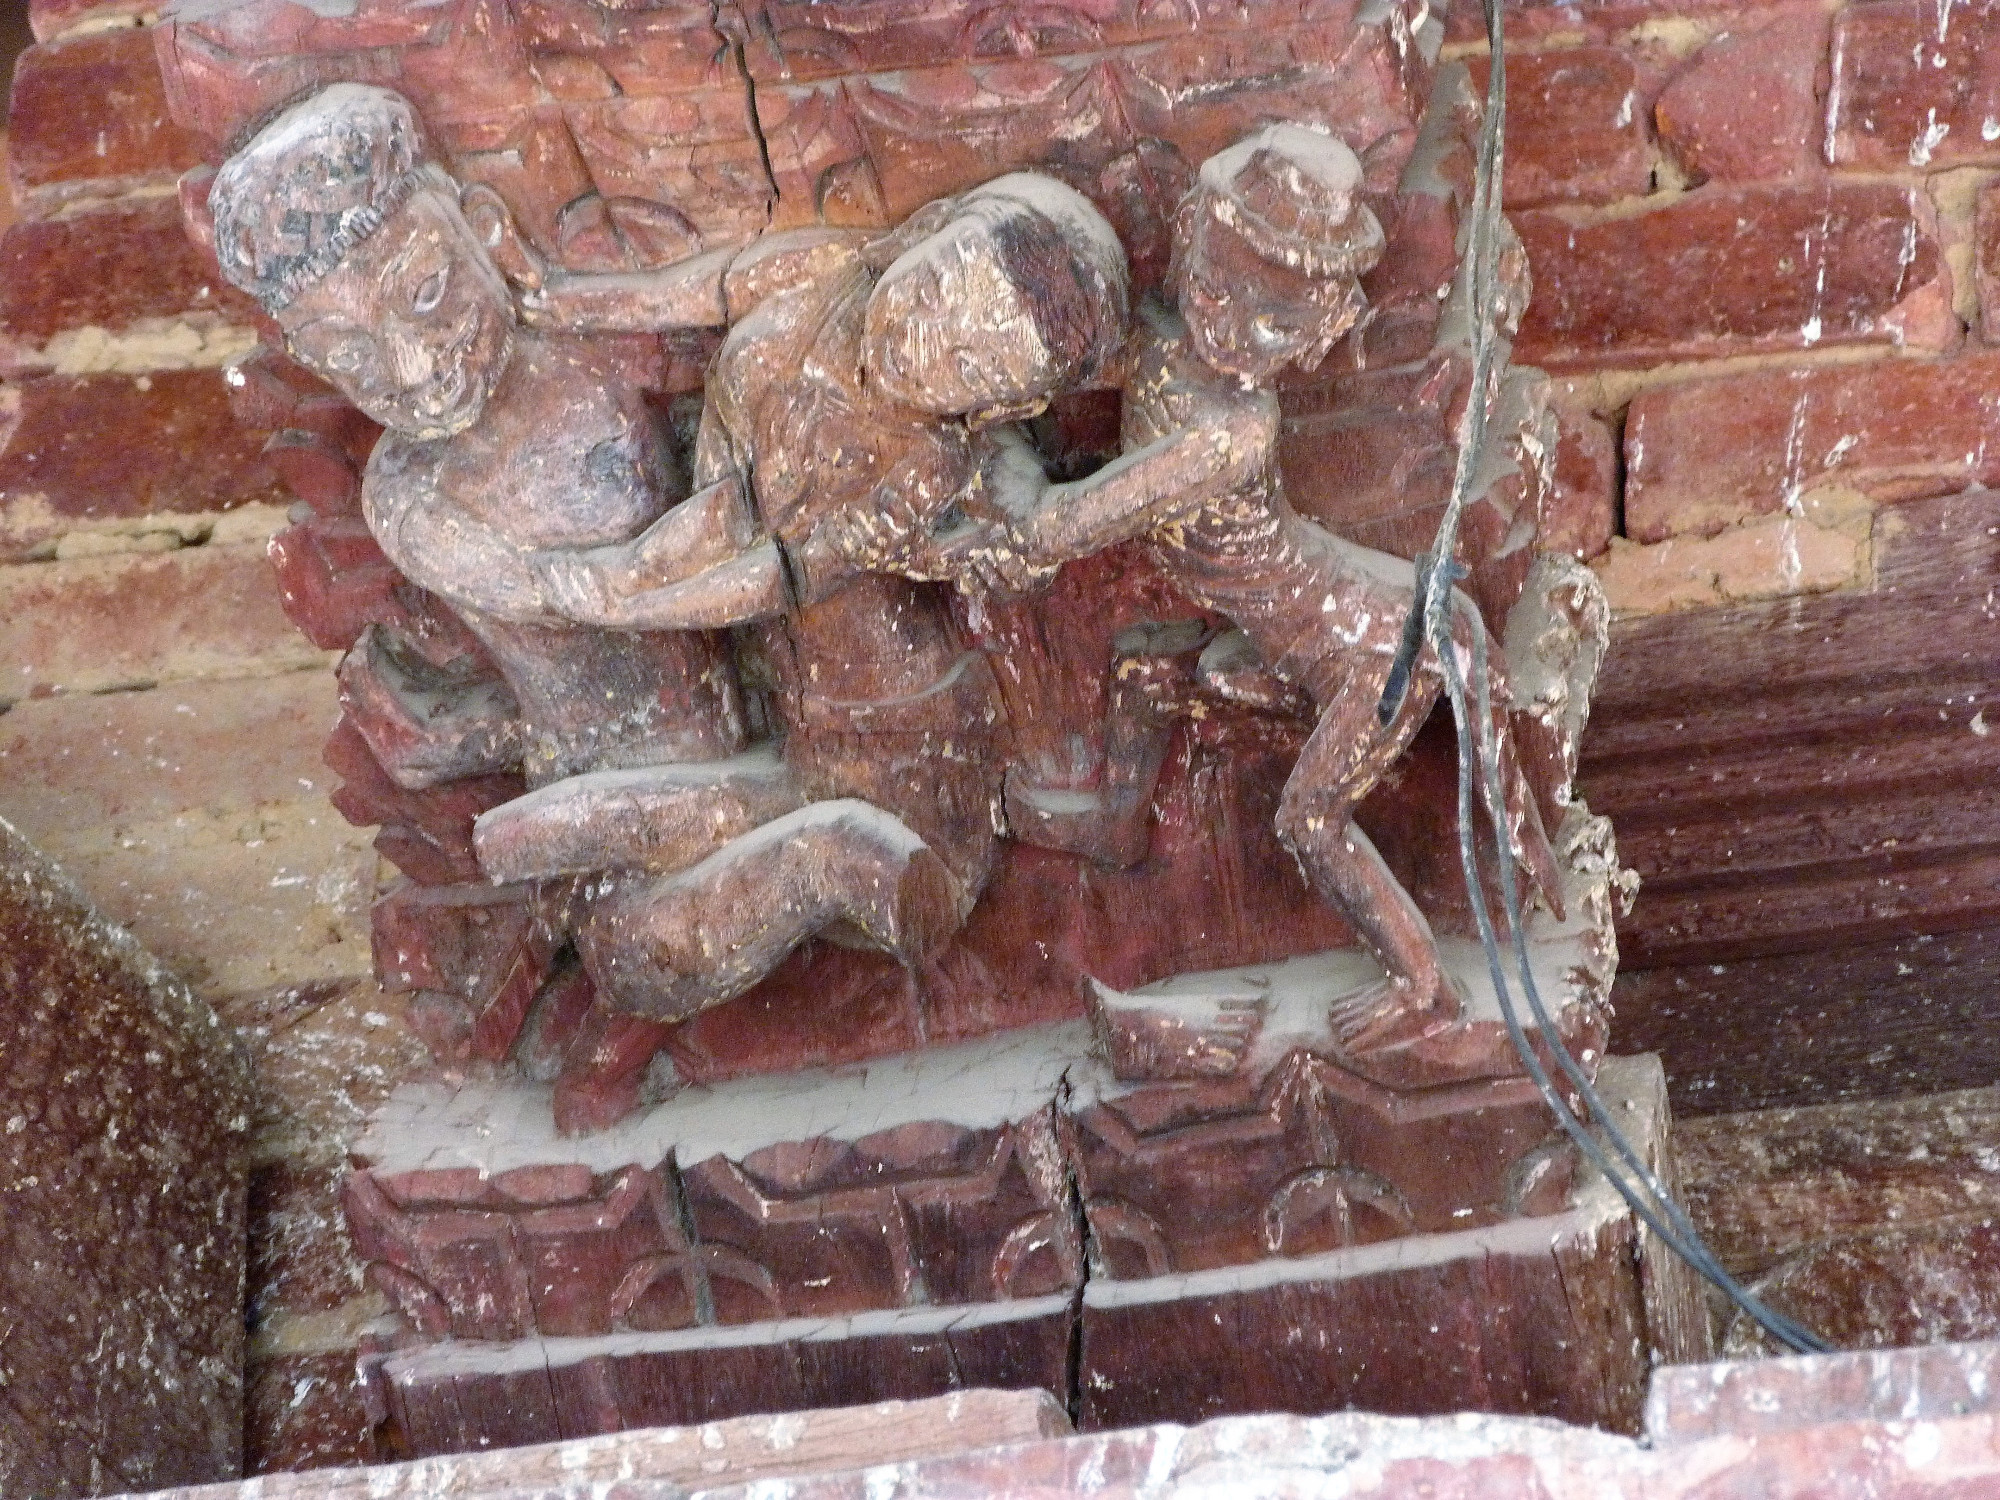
1310 601
567 455
879 695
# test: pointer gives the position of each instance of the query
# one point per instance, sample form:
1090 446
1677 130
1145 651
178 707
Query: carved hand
573 585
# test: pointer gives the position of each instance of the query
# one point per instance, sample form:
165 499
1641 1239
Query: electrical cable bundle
1430 622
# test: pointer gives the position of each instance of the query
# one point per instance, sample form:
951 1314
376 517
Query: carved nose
409 358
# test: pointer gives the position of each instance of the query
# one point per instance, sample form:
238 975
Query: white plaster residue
192 343
496 1126
1922 1446
1925 146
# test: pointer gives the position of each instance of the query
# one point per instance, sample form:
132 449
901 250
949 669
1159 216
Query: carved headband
352 227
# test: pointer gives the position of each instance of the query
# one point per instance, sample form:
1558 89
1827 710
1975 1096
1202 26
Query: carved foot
1176 1036
609 1071
1393 1013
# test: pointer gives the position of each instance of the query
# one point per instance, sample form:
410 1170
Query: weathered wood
1762 1186
1806 791
1786 777
455 1398
1891 1287
1560 1316
1879 1021
123 1112
1895 1425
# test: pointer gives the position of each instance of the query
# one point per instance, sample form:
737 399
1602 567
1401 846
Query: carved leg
671 946
1152 687
1340 765
660 818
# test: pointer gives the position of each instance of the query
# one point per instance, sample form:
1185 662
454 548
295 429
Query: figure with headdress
1269 247
500 440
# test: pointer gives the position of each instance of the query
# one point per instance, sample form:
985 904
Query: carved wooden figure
524 483
871 385
1268 252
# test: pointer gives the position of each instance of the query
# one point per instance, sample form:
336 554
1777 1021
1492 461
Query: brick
84 762
93 108
241 901
50 19
1576 125
135 620
1579 507
95 447
1916 83
1770 558
1707 454
1561 22
304 1411
108 270
1747 106
1733 270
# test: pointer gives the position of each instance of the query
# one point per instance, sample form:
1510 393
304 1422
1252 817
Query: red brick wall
160 719
1763 242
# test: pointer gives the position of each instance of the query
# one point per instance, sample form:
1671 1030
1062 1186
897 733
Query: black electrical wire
1677 1232
1429 622
1431 610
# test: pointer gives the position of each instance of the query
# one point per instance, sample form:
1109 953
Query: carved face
414 326
1000 308
1249 316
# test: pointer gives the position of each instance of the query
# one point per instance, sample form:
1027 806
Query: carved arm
711 290
700 566
686 294
1146 488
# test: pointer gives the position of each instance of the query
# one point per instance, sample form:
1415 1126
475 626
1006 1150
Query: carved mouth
445 395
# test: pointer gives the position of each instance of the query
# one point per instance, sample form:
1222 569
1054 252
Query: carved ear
493 221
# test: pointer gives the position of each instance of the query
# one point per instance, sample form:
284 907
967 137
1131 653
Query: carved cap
1289 192
313 184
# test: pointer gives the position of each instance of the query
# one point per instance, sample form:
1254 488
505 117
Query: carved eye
431 293
1266 330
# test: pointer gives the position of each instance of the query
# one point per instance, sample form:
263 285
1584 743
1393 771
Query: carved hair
1288 192
313 184
1030 253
